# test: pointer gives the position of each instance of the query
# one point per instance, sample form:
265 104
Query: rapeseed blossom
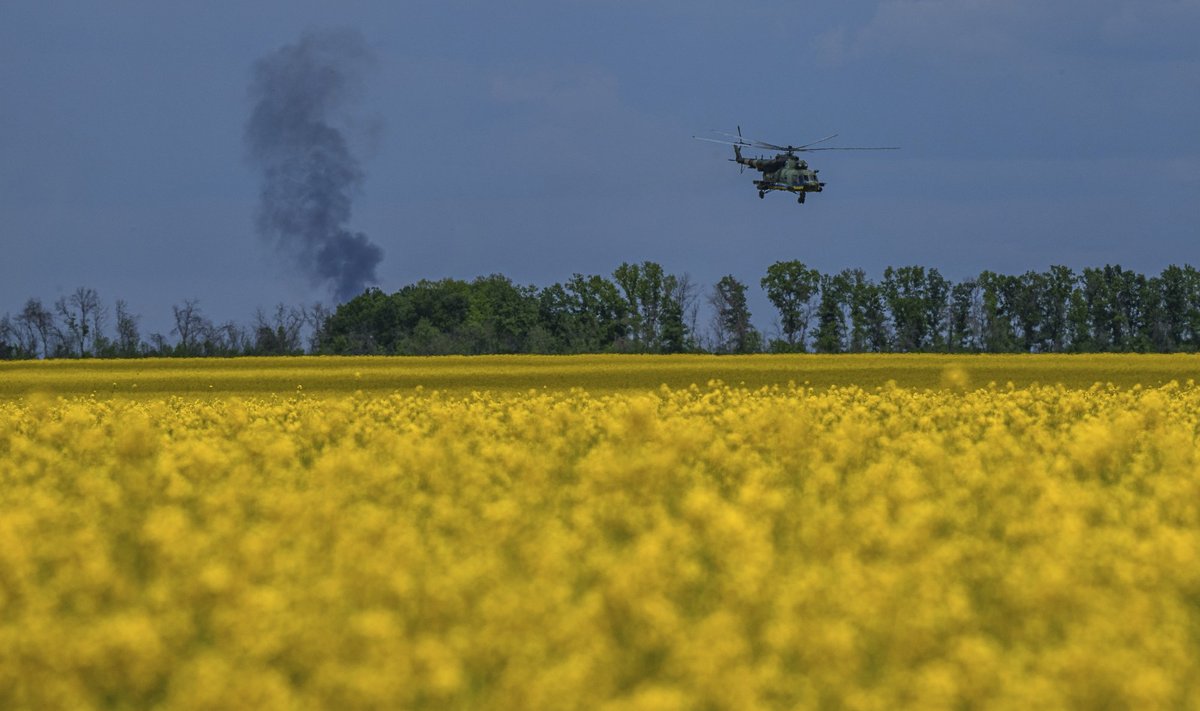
713 547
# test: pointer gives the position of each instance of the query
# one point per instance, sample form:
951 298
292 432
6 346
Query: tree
278 335
936 309
1135 306
601 315
315 317
1079 328
1180 299
159 345
366 324
1055 306
1154 335
37 323
501 315
188 324
585 315
642 289
641 302
917 299
12 344
962 302
997 292
83 317
651 295
831 314
790 287
679 315
1028 297
227 339
1116 307
129 341
868 315
430 317
733 332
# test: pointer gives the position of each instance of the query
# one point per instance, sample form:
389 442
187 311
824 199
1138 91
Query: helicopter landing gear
762 194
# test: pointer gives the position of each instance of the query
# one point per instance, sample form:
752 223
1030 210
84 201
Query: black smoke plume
309 175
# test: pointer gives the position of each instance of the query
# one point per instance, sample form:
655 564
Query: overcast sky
538 138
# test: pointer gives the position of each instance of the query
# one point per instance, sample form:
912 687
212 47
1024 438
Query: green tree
831 314
868 314
936 309
430 318
1028 297
1079 324
500 315
997 296
1134 304
678 317
904 290
652 298
585 315
367 324
962 301
732 329
1180 303
1055 305
1111 314
790 287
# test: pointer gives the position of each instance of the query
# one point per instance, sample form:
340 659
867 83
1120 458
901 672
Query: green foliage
653 309
731 318
643 309
831 313
791 286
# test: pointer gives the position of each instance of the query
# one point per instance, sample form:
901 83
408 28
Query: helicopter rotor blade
851 148
770 146
718 140
821 140
741 140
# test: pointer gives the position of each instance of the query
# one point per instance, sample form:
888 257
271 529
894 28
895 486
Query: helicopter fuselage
784 172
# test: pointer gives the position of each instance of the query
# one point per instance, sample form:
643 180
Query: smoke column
308 172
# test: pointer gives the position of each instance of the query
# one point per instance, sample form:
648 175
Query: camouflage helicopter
785 171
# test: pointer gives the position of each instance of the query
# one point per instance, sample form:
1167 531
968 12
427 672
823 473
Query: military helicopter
784 172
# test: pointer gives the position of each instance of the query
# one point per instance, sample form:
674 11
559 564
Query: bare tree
226 339
279 335
188 325
83 316
13 343
99 316
128 339
158 344
686 293
37 323
315 317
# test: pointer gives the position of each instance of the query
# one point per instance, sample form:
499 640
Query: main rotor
737 139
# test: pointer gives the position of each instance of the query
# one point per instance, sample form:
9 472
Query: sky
540 138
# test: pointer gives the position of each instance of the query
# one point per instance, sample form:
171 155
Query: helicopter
785 172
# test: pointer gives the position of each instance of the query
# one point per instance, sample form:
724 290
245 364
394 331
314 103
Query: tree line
80 325
641 308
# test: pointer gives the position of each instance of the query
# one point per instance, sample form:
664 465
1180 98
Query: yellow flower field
962 544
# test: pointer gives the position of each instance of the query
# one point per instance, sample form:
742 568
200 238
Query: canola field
799 532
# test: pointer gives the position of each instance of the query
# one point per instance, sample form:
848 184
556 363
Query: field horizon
596 373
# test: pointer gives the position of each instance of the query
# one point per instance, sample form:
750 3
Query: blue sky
538 139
